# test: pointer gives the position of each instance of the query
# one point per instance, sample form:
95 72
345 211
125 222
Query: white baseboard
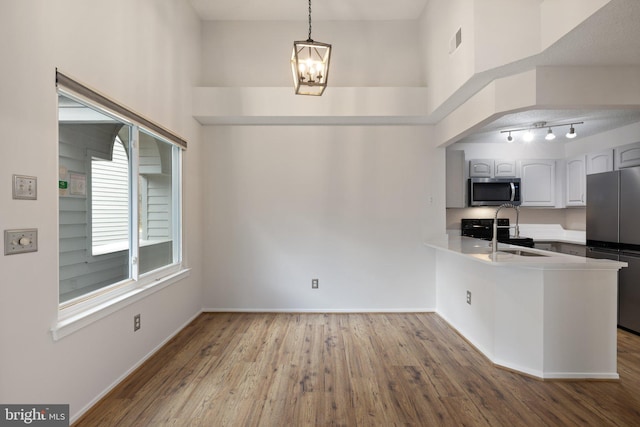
319 310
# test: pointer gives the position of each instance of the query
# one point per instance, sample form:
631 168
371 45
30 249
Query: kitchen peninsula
545 314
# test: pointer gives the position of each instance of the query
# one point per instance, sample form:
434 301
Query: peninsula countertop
511 255
546 314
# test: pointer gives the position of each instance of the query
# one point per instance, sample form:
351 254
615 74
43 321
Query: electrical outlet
315 283
469 297
136 322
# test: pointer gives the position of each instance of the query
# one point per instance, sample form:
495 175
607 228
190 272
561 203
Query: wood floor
268 369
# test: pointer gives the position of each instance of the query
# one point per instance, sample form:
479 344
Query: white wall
560 17
144 54
349 205
381 53
494 33
505 31
445 73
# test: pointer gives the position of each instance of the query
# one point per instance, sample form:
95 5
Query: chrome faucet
494 240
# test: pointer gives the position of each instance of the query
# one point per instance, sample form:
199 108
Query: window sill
68 325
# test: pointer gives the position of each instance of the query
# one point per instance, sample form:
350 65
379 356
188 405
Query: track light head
528 136
509 138
550 136
572 133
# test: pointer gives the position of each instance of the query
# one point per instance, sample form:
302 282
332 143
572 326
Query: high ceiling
610 37
287 10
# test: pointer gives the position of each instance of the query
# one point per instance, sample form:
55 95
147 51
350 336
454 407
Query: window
119 207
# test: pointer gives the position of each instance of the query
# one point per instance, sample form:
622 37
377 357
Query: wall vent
455 41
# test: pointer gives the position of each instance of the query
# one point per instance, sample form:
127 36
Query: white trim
129 371
581 375
80 319
134 214
319 310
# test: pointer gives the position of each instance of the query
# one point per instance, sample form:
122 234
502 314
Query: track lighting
529 132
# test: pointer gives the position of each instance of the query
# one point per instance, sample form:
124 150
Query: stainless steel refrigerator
613 232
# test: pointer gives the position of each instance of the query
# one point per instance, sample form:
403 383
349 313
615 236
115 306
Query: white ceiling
610 37
288 10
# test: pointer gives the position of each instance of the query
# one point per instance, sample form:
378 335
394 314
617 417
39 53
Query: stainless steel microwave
494 191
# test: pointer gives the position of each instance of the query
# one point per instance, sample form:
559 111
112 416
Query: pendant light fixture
310 65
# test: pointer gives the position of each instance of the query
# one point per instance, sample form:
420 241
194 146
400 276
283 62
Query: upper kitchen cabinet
505 168
481 168
576 181
627 156
490 168
601 161
538 182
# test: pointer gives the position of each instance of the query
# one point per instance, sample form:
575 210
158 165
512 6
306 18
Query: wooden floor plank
274 369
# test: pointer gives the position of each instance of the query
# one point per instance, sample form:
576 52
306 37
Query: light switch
25 187
20 241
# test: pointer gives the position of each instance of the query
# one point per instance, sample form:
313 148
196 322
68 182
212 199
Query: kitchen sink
521 252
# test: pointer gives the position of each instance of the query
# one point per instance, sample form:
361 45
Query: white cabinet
492 168
504 168
601 161
481 168
576 181
538 186
627 156
456 179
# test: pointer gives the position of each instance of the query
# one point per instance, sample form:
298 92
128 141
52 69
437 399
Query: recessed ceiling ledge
338 106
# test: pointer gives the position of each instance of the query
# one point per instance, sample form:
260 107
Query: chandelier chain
309 39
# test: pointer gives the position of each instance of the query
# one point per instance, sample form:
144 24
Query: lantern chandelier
529 132
310 65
